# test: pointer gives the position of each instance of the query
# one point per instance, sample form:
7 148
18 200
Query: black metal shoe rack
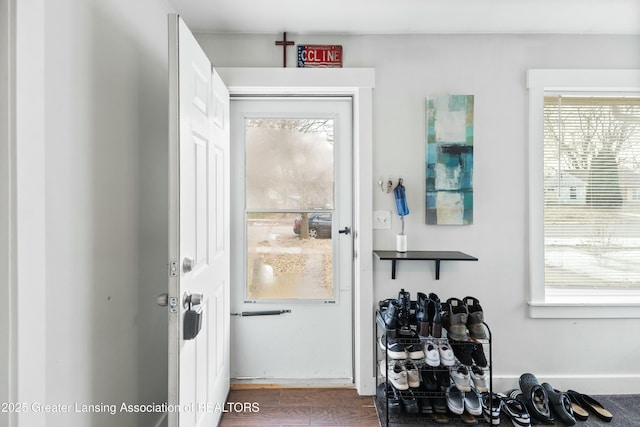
434 418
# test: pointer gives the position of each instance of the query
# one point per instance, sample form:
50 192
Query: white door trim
358 83
26 276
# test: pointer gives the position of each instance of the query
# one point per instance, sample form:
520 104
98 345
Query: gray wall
491 67
106 108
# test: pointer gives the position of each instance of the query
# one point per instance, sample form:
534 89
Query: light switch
382 220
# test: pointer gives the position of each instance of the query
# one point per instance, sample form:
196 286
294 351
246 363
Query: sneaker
395 373
433 354
446 354
455 400
491 404
393 348
412 343
461 378
475 320
413 374
479 379
472 403
455 319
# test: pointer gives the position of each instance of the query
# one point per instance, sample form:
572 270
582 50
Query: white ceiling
411 16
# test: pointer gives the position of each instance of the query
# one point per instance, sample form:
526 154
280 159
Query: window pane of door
289 203
289 164
282 264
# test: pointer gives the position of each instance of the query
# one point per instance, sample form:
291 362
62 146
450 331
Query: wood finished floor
300 407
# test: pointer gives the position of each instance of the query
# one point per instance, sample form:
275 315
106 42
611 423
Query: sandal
536 399
561 404
592 405
579 411
516 410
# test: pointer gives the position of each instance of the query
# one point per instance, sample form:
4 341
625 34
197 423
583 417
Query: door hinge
173 269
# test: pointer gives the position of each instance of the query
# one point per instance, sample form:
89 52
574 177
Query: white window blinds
591 188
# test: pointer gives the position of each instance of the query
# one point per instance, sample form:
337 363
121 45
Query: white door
198 230
292 191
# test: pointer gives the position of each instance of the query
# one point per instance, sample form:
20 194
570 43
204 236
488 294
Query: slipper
516 410
579 411
536 399
592 405
561 404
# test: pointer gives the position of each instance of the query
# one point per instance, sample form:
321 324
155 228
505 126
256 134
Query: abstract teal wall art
449 160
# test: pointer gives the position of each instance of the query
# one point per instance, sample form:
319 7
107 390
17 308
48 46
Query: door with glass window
292 248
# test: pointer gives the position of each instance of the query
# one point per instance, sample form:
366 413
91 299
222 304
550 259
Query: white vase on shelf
401 243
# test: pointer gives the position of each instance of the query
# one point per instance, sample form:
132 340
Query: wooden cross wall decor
284 43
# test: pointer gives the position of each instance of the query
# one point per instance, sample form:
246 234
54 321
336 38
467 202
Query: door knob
345 230
187 264
189 300
163 300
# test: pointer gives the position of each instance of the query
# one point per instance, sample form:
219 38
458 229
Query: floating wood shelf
436 256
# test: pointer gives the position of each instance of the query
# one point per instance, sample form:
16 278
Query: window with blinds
591 192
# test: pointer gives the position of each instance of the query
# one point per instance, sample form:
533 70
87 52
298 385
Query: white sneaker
446 354
433 355
413 375
397 374
479 378
460 377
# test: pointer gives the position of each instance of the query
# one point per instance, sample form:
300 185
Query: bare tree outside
592 191
289 181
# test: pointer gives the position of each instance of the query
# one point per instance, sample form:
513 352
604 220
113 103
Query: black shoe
429 382
404 309
535 398
444 379
390 316
477 354
579 411
389 395
463 350
425 405
561 404
423 320
592 405
395 350
433 310
440 405
408 402
412 343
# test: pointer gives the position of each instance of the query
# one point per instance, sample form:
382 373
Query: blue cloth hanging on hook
401 199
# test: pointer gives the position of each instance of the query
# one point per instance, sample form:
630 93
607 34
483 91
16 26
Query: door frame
357 83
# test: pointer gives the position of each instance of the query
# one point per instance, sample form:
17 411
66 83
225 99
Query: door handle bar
261 313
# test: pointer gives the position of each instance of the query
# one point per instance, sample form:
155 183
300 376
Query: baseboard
240 384
589 384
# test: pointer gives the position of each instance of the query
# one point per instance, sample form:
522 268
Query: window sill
587 304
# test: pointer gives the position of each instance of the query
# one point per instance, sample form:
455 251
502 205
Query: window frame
564 303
